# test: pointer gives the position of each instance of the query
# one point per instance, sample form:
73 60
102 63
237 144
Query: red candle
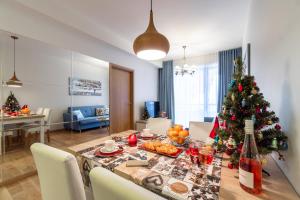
132 140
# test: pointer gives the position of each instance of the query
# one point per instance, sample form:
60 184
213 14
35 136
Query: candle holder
132 140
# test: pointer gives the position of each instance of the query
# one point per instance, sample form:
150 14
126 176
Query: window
196 95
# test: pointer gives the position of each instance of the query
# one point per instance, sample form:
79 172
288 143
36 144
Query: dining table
37 119
163 172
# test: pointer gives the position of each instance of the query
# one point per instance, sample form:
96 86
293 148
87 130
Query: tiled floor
20 162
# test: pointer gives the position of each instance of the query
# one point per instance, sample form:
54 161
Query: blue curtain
226 69
166 89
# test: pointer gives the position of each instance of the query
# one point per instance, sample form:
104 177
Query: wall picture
84 87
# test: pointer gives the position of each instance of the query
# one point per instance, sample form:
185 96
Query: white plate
104 150
146 135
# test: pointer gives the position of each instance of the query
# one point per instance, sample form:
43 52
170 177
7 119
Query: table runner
160 174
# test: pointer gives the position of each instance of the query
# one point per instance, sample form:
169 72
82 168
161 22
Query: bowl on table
178 136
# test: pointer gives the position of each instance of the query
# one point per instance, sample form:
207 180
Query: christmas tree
244 101
11 104
145 114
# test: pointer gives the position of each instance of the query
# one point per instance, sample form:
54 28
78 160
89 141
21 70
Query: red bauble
254 83
257 109
233 117
277 127
240 87
230 165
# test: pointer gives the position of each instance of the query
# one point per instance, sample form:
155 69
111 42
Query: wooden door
120 98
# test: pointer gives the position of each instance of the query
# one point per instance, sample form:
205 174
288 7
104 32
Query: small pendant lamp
151 45
14 81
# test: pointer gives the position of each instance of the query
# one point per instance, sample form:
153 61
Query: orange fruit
183 133
173 133
178 127
174 138
180 140
171 129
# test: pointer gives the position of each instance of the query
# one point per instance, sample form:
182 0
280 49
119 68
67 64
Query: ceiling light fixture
151 45
185 68
14 81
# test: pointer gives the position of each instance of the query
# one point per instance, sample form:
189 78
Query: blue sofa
90 119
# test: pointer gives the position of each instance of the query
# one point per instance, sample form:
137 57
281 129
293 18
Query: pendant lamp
14 81
151 45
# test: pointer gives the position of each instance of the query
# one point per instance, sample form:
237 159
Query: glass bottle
250 170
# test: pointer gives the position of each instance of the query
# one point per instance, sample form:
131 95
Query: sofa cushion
78 114
89 120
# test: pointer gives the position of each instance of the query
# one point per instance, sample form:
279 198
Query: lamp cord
14 55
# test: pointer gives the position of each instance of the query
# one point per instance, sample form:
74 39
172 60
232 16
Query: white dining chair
58 173
34 128
159 125
107 185
200 130
39 111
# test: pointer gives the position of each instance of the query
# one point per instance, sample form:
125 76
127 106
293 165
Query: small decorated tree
11 104
244 101
145 114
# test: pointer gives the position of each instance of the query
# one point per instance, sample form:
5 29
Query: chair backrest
107 185
159 125
39 111
47 113
200 130
58 173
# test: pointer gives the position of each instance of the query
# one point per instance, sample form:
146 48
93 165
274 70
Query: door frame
131 72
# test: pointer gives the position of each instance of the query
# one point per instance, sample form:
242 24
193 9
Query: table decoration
132 140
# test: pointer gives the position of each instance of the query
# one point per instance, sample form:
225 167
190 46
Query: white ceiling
205 26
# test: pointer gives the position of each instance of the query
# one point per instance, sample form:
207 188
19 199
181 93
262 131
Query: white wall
274 33
21 20
44 71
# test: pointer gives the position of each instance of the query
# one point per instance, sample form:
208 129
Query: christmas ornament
253 118
231 112
274 144
257 110
217 139
277 127
254 91
240 87
230 146
270 122
260 136
232 97
284 146
231 84
243 103
264 161
230 165
233 118
254 84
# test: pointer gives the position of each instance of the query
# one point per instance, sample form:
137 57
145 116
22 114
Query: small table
5 120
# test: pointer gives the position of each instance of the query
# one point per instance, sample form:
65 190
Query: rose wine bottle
250 170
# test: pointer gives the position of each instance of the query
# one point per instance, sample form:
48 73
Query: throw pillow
107 111
78 114
100 111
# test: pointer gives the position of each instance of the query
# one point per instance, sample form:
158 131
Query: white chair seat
159 125
109 186
58 172
200 130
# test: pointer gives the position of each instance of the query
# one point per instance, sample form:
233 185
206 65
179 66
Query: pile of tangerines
177 134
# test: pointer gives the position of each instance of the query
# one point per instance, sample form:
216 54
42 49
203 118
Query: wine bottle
250 170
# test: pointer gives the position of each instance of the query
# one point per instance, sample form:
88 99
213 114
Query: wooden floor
18 179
